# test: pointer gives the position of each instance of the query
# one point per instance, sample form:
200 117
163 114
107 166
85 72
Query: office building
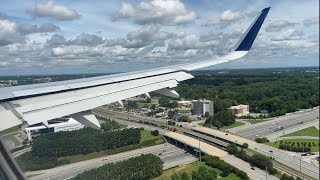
201 106
240 110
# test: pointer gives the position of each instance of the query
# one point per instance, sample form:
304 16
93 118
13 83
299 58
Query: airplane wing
39 103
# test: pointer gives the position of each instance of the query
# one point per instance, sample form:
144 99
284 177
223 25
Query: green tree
185 176
148 100
184 118
232 149
245 145
204 174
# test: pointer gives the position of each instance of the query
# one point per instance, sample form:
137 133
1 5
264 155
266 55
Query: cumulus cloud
288 35
3 63
145 36
190 42
56 40
9 33
86 40
225 18
50 10
160 12
279 25
311 21
29 28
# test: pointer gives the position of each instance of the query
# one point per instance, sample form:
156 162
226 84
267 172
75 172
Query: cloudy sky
49 37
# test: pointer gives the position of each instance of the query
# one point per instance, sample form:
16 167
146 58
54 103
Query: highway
256 174
288 121
283 157
287 158
242 165
171 156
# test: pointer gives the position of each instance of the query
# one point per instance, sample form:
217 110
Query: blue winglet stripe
248 40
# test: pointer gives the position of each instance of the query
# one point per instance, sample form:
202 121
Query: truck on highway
278 128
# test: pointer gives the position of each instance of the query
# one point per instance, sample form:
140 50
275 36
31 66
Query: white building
201 106
69 125
240 110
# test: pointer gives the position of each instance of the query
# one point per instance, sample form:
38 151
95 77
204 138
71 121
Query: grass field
142 104
313 148
10 130
235 124
12 138
188 168
255 121
310 131
146 135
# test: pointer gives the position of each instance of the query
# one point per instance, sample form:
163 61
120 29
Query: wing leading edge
42 102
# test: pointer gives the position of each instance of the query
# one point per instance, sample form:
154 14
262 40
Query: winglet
246 41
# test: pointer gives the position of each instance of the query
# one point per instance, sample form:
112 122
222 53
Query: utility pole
301 167
266 173
199 150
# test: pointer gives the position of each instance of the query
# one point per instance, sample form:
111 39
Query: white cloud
3 63
53 11
160 12
311 21
29 28
279 25
145 36
9 33
288 35
190 42
225 18
86 40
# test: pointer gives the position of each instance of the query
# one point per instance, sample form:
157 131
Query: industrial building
240 110
68 125
201 106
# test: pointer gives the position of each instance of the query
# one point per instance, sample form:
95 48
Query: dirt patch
182 167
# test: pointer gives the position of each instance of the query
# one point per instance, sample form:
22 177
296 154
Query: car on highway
104 159
252 168
301 122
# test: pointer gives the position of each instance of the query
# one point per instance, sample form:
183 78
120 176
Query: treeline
220 119
83 141
277 93
108 123
226 168
261 161
202 174
143 167
297 146
165 102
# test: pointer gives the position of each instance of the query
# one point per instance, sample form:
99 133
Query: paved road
18 153
276 135
288 158
287 122
256 174
242 165
171 156
281 156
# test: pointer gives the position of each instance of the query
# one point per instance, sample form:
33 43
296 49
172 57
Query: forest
83 141
146 166
276 90
226 168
